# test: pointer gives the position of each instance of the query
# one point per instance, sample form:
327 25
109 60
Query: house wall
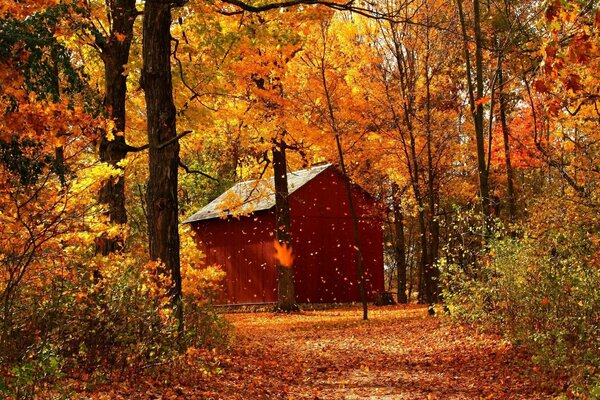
322 229
323 243
244 248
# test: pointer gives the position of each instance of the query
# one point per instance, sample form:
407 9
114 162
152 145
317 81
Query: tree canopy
474 124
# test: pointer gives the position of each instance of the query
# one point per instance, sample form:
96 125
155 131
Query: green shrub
540 292
39 370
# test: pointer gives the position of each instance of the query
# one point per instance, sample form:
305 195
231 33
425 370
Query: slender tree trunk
355 229
359 257
407 76
476 104
59 152
115 55
163 147
512 203
399 247
432 272
479 128
286 298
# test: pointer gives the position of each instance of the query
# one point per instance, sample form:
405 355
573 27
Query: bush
38 371
110 318
540 292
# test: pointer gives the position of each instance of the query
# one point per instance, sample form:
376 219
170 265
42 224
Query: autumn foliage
475 124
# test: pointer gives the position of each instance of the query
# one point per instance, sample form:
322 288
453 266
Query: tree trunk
408 80
399 247
355 228
115 55
512 205
161 193
482 169
286 298
359 257
476 105
431 275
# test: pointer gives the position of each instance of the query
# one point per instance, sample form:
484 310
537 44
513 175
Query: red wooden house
237 231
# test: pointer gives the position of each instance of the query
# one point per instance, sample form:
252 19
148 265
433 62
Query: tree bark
512 204
115 55
399 247
407 77
476 105
355 229
163 159
432 272
286 298
359 257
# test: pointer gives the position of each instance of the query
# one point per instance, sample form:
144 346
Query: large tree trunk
286 298
115 55
161 194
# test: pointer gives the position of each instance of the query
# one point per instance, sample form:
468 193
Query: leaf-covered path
400 353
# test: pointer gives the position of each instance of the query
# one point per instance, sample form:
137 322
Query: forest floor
399 353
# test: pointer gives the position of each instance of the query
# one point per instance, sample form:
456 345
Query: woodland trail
400 353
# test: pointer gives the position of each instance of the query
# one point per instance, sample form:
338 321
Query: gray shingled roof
250 196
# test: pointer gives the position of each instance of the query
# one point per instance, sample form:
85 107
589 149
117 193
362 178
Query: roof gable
250 196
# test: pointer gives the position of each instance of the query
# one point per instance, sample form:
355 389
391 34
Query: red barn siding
323 242
244 248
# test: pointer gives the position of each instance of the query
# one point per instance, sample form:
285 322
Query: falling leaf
120 37
482 100
283 254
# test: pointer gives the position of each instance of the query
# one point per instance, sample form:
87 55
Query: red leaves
553 10
573 82
333 355
550 51
545 301
540 86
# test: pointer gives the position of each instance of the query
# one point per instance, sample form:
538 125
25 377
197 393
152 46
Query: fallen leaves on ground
400 353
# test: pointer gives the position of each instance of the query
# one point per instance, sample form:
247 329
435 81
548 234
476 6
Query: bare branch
346 6
134 149
194 171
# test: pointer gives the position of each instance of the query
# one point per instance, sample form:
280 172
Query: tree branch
135 149
346 6
193 171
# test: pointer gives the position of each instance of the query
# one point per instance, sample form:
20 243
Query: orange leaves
482 100
120 37
283 254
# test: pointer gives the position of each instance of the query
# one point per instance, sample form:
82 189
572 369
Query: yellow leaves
283 254
200 282
92 177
